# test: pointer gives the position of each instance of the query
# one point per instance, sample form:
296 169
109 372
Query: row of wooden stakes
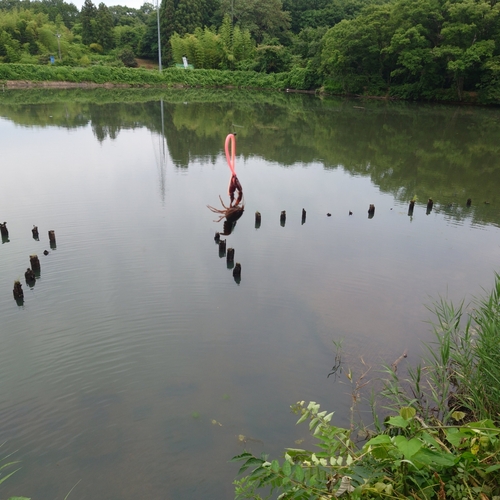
371 212
32 273
229 258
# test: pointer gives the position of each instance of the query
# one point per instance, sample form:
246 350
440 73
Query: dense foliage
424 49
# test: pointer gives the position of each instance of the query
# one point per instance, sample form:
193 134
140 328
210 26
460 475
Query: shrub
97 48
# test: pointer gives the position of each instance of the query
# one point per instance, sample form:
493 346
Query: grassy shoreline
27 75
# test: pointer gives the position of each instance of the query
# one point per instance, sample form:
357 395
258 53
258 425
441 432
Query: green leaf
458 415
455 437
407 447
492 468
430 457
407 412
313 422
380 439
243 456
303 417
275 466
398 421
287 469
298 473
429 439
250 462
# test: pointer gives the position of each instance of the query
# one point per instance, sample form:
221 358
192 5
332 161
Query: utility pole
58 35
159 39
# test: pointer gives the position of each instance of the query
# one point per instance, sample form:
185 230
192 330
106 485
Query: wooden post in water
257 220
430 204
52 239
469 202
35 263
283 218
35 233
222 248
371 211
303 216
217 238
29 276
18 290
230 255
3 230
237 273
411 207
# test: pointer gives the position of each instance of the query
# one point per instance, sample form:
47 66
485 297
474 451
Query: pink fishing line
231 155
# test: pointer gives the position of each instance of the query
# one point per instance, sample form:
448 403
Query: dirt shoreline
26 84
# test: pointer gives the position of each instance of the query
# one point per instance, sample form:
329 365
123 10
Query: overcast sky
129 3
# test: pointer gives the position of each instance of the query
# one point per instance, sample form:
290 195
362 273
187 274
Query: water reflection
395 144
137 339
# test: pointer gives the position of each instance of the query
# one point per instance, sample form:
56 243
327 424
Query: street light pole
159 38
58 35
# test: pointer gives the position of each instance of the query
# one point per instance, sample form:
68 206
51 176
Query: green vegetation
443 442
142 77
422 50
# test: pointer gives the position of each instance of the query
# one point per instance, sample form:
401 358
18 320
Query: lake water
137 366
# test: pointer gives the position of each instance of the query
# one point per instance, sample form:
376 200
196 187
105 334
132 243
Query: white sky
129 3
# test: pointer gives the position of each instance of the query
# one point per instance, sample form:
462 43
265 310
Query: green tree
272 57
353 52
88 16
167 28
129 36
148 45
258 16
53 8
188 16
103 33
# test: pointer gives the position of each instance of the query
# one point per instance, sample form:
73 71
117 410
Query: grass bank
22 75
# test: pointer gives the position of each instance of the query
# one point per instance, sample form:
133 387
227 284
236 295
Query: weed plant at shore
440 441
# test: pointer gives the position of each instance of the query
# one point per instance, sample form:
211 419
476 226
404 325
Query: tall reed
459 375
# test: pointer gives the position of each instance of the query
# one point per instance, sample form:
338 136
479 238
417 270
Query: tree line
420 49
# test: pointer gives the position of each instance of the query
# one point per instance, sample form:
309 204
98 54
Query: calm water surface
137 366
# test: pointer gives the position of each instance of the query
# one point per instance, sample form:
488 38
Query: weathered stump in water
18 290
230 255
283 218
430 204
237 272
371 211
217 238
411 207
52 239
303 216
35 263
257 220
35 233
222 248
29 276
469 202
3 230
